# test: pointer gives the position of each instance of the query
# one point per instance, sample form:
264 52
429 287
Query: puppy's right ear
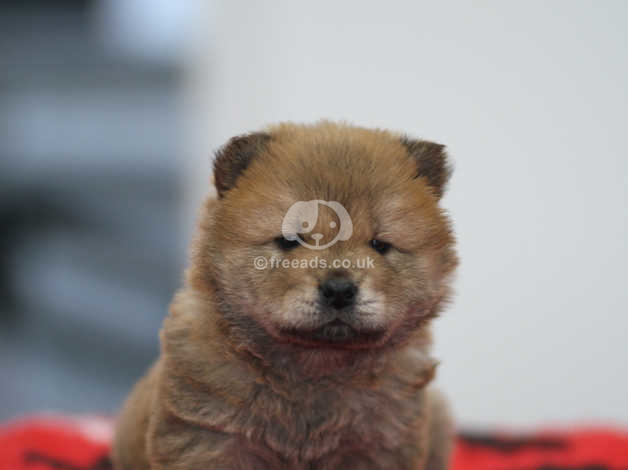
234 157
432 163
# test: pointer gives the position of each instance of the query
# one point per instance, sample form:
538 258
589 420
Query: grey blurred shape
88 211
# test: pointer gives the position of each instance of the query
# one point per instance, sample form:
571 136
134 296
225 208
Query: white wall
531 99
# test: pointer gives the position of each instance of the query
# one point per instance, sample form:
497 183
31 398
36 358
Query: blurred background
109 113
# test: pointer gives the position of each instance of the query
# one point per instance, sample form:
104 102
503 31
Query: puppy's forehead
335 162
368 172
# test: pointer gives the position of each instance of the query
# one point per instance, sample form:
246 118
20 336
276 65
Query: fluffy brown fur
242 381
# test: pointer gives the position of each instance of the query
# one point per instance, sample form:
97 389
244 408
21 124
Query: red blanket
62 443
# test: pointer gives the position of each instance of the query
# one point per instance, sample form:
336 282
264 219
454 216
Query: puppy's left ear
234 157
432 163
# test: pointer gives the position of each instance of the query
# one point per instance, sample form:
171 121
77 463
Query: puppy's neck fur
211 380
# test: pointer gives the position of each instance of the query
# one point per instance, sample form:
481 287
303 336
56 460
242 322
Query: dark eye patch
380 246
285 244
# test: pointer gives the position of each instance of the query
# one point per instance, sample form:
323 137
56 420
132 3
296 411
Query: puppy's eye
285 244
380 246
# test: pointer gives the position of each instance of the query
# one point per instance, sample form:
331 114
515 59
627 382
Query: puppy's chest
311 422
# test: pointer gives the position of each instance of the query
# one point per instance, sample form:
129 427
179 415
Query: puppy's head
327 236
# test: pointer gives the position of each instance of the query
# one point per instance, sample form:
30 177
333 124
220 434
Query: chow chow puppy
304 363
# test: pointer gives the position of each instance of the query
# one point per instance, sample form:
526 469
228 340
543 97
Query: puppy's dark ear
432 163
234 157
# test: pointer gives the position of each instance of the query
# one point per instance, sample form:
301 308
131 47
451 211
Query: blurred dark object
88 210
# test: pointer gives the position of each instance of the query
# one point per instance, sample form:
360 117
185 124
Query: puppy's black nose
338 292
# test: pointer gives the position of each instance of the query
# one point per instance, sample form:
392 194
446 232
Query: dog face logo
302 216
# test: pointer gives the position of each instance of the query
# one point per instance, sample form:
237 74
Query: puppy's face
328 236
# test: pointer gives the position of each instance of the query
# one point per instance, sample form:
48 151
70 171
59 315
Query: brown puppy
305 364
